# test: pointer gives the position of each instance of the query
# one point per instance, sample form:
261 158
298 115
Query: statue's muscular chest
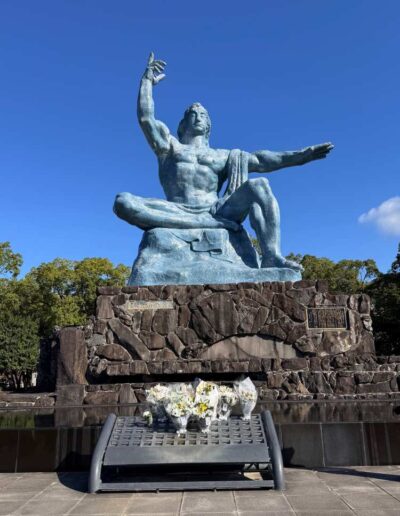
191 167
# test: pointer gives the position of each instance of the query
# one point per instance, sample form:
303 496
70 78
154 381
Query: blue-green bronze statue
195 236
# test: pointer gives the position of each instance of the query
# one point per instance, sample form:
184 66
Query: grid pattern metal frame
133 431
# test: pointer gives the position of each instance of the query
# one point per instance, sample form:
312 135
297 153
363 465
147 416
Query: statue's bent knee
123 204
260 186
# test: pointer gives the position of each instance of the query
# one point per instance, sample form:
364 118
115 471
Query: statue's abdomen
189 183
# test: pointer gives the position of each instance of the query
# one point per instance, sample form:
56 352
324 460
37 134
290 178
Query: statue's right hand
154 69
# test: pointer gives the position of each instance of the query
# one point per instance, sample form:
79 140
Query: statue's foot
280 261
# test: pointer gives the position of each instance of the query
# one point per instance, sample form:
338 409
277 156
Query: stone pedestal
221 328
289 337
199 256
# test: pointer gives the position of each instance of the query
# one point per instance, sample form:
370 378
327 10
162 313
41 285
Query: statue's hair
182 123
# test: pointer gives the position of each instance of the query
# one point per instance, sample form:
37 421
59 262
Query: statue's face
197 121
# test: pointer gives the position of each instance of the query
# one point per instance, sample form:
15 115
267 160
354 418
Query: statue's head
195 121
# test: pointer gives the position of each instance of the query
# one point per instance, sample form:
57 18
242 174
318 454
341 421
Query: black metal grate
133 431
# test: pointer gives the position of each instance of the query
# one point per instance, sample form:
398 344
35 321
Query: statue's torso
192 175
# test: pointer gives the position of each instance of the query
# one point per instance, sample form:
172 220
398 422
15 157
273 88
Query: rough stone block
164 321
290 307
295 363
373 387
72 357
315 364
101 398
138 367
118 369
70 395
100 326
274 380
152 340
108 291
114 352
129 339
155 367
104 307
266 364
176 344
345 385
383 376
364 377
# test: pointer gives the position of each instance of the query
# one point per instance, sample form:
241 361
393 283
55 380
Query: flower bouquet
157 397
205 404
179 408
247 393
204 401
227 400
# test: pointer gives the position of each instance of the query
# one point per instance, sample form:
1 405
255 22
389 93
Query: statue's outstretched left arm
268 161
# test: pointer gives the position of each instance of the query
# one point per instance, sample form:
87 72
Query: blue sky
278 75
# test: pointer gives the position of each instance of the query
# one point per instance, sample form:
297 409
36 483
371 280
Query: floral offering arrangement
155 397
227 400
247 393
202 402
205 403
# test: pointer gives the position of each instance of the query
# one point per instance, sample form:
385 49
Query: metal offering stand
234 454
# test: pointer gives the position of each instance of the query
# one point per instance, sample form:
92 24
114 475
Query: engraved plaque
325 318
133 306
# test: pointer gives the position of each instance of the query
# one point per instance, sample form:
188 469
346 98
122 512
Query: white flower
158 393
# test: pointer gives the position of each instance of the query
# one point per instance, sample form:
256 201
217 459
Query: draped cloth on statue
238 173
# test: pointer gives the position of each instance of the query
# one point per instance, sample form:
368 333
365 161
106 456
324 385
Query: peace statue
196 235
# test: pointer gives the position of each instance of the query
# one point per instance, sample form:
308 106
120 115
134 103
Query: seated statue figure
196 235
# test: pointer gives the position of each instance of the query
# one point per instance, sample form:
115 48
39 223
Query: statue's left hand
319 151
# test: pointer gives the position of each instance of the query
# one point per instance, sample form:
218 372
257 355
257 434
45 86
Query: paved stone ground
364 491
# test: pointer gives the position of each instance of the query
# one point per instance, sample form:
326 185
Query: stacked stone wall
343 377
190 329
296 340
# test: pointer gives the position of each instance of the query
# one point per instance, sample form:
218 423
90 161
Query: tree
395 268
63 292
385 295
58 293
19 349
19 338
10 262
349 276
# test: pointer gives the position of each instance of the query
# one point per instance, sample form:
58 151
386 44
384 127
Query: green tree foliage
19 348
385 295
10 262
58 293
64 291
343 276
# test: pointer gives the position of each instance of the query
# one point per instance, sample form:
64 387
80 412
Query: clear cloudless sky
274 74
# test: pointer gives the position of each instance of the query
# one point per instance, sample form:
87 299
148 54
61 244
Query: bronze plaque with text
327 318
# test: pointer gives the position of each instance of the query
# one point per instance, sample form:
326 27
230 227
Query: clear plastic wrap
247 392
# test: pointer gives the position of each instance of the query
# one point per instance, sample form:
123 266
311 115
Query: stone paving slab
360 491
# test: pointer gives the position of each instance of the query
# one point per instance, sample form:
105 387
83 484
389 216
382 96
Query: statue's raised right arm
156 132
